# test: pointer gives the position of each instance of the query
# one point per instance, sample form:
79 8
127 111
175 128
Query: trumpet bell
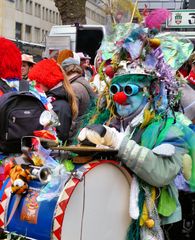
41 173
45 175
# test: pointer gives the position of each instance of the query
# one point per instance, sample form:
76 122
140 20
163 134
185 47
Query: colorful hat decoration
139 49
142 52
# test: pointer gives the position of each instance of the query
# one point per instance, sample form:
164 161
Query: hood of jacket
58 93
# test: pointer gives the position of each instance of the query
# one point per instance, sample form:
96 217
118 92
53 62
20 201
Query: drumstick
79 148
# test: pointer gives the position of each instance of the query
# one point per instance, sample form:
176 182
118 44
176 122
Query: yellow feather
144 219
144 215
148 116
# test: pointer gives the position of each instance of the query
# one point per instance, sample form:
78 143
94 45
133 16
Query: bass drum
93 205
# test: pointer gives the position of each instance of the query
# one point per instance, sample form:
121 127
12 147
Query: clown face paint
127 92
133 103
127 105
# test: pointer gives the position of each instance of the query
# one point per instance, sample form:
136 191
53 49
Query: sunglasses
129 89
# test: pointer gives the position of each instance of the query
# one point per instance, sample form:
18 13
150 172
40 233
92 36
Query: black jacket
62 108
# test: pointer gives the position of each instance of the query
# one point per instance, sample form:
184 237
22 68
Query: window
43 35
92 15
50 15
37 10
103 20
57 18
19 5
37 35
88 12
29 7
46 15
43 13
18 33
28 35
53 20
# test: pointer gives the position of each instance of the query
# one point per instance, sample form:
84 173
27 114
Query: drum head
98 207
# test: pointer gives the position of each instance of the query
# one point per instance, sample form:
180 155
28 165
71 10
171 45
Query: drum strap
15 206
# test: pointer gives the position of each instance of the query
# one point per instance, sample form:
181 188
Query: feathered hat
47 72
11 61
133 49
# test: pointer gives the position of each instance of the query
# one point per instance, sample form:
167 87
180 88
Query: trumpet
41 173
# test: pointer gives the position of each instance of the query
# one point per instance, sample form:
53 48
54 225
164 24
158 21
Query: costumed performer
151 142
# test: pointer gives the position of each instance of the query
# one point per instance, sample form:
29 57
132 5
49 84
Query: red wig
47 72
10 59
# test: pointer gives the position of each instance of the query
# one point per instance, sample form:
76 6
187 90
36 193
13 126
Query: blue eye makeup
129 89
114 88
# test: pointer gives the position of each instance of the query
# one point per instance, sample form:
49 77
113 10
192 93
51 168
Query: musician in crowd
152 143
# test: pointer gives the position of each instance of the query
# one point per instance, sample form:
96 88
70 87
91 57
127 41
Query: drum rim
4 204
57 226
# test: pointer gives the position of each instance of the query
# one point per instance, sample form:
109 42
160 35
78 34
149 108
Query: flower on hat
46 72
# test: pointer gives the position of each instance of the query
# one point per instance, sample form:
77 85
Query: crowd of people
66 82
143 110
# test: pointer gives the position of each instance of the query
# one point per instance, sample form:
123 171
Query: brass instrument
41 173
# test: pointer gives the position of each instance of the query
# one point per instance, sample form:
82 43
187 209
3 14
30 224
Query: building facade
27 20
95 12
31 20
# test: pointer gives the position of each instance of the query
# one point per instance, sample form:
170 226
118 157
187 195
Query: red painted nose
120 98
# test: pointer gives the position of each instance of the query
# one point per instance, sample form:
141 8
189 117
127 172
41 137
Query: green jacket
157 169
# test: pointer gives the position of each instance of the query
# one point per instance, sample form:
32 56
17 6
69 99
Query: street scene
97 120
